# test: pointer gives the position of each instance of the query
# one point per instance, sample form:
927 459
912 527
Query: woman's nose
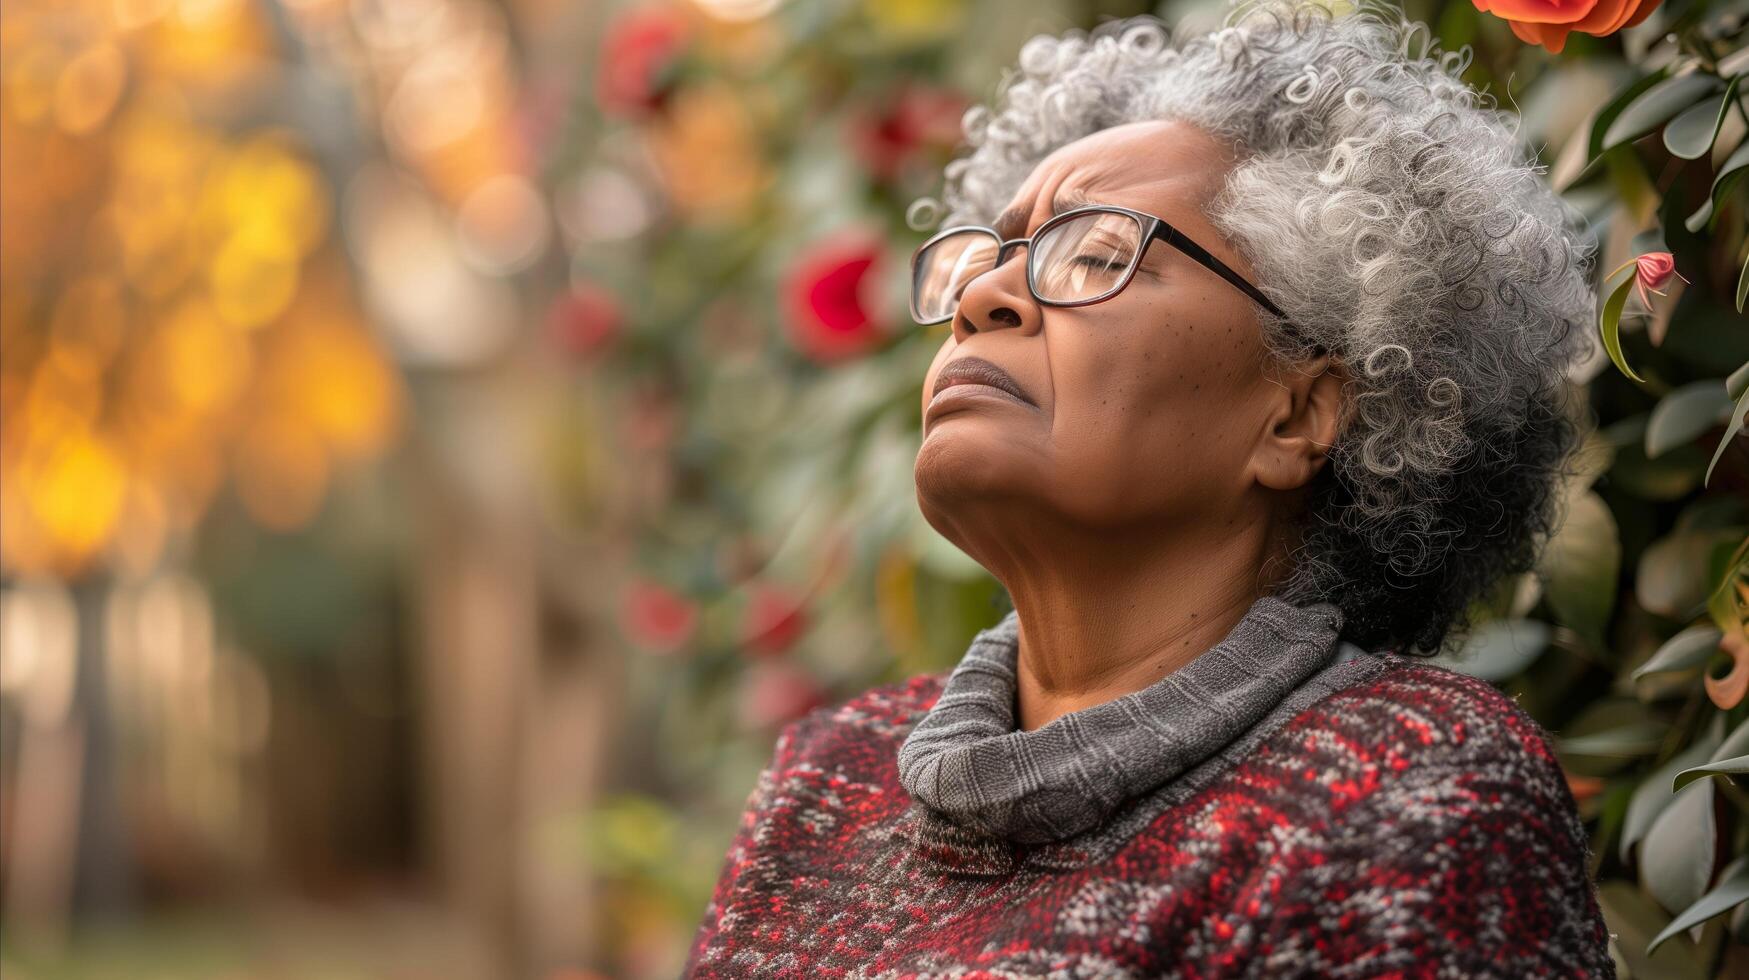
997 299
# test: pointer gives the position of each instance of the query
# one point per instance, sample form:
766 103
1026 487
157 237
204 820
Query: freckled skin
1142 490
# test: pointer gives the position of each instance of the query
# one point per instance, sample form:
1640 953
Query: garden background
443 441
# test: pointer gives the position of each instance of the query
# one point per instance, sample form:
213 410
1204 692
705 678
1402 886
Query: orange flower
1583 788
1548 22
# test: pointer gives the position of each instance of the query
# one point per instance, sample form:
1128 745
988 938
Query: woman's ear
1304 415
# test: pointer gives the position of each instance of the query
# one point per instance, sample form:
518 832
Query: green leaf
1657 105
1676 858
1609 324
1734 63
1732 891
1607 115
1690 648
1651 796
1690 135
1580 565
1684 414
1721 767
1735 744
1734 167
1674 577
1593 458
1500 648
1733 429
1743 290
1738 382
1722 604
1628 742
1633 919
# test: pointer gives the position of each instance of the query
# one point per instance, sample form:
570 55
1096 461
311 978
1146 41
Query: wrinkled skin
1141 504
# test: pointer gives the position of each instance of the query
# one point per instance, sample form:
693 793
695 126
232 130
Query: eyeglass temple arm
1177 239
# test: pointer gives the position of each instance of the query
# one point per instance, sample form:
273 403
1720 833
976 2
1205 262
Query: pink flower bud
1652 271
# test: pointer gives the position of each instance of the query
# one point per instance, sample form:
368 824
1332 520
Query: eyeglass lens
1076 260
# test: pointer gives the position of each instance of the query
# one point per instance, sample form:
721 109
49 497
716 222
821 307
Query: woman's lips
976 370
964 394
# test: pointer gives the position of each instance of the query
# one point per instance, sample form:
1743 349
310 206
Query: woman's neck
1111 621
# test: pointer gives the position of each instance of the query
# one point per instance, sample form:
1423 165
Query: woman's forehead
1164 167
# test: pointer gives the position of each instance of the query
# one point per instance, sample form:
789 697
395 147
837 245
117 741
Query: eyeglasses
1083 256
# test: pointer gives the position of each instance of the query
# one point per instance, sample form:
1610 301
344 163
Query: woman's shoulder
894 706
881 713
1419 715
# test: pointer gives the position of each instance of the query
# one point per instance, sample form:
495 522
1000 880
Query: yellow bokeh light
266 189
254 275
88 88
30 82
58 406
916 19
152 253
161 159
134 14
345 390
75 495
205 365
209 44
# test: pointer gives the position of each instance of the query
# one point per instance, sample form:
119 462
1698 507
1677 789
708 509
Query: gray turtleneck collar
967 759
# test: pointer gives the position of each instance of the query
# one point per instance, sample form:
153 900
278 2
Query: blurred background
443 441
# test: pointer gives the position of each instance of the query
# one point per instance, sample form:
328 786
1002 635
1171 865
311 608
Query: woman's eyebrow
1012 224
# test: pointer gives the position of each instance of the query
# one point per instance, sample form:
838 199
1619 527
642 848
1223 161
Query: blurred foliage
738 179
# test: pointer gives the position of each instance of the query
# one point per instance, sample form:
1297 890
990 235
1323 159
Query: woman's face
1150 407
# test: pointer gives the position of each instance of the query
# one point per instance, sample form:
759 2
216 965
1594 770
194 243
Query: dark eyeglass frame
1154 229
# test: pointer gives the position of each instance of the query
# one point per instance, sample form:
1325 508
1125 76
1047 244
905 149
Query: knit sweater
1285 805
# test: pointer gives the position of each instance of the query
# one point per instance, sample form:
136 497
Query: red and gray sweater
1383 817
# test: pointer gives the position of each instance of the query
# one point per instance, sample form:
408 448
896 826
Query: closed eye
1099 263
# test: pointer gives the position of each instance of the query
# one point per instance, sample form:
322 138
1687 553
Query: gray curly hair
1389 209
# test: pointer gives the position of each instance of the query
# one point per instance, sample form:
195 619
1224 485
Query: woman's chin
958 463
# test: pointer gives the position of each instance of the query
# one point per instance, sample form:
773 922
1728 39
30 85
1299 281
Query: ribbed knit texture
1386 818
968 760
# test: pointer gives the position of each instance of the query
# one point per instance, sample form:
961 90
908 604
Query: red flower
585 320
657 617
774 620
638 50
914 119
825 298
1652 271
774 692
1547 22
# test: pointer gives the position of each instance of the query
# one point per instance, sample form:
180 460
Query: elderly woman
1255 382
